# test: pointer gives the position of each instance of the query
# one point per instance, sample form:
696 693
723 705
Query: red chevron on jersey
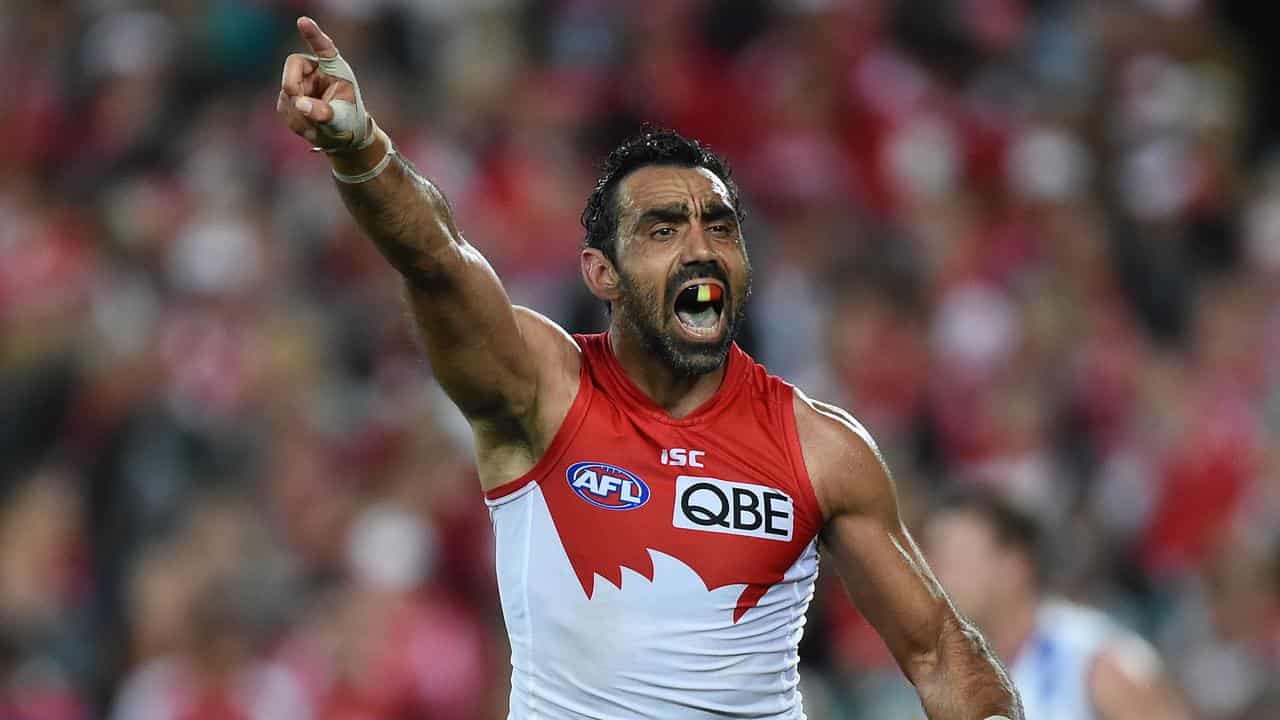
601 543
612 499
654 567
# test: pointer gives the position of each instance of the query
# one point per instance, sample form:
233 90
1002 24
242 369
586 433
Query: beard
641 312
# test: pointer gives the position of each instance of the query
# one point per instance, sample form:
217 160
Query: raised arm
494 360
955 673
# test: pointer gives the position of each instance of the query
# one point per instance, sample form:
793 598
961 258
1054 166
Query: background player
656 229
1068 661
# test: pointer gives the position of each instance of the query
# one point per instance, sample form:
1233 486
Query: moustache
698 271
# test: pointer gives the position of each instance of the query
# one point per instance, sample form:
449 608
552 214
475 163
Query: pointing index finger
320 43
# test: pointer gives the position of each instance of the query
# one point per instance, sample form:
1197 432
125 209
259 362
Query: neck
1010 633
677 394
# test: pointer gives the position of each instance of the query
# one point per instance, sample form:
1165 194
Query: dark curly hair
652 146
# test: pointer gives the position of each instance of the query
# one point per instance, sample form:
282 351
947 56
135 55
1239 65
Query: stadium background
1032 244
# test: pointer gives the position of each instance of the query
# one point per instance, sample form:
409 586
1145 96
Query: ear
599 275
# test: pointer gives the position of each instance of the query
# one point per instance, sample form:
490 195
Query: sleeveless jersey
652 567
1051 671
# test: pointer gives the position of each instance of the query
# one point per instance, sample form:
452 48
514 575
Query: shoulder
548 341
509 445
557 365
1126 658
844 464
826 426
1127 672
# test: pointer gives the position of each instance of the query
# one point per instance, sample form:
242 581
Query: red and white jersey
652 567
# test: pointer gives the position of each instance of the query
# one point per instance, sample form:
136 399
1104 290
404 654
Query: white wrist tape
350 123
996 717
372 172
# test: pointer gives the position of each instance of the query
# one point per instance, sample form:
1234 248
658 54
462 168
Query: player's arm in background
955 673
1127 682
491 358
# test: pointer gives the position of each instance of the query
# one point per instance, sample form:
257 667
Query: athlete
657 498
1068 661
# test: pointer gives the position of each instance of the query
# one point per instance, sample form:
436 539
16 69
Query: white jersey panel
662 649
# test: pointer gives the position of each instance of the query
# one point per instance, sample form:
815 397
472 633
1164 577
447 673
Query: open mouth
699 308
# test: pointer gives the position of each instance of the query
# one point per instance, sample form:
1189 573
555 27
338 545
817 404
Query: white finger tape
345 122
350 123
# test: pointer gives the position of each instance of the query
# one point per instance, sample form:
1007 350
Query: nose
698 246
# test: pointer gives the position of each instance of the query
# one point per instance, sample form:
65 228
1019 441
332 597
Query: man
1068 662
656 497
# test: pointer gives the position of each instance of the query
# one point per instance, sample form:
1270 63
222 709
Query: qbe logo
607 486
715 505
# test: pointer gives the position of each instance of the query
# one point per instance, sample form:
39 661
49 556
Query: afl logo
607 486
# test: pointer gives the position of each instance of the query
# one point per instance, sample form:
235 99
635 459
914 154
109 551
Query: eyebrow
680 213
664 213
718 211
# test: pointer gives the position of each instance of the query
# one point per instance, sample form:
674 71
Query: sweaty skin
953 669
663 224
514 374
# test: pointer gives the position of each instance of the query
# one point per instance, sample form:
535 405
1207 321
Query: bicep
946 659
887 578
483 351
875 555
466 322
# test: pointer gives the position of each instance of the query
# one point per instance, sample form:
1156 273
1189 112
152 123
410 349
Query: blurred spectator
217 671
43 657
1034 246
1067 660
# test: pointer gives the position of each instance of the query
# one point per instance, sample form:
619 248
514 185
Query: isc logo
607 486
716 505
680 457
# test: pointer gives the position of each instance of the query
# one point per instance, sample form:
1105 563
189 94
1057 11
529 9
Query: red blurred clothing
48 264
1207 474
397 657
213 705
56 703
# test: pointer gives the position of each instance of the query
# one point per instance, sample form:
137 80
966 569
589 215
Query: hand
319 96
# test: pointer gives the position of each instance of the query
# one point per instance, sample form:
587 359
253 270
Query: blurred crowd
1032 244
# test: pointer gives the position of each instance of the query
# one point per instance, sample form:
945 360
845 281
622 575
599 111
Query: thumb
313 109
321 44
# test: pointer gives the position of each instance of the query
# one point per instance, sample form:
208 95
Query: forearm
465 319
405 215
962 679
470 330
